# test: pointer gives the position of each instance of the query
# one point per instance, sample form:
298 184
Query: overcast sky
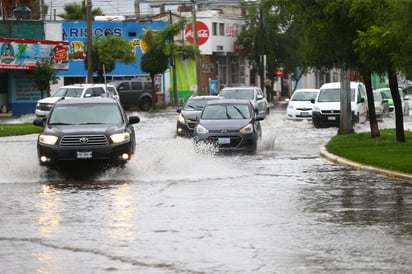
114 7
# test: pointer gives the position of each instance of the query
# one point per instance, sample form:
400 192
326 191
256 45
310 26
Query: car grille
45 106
191 125
330 111
304 109
234 141
84 140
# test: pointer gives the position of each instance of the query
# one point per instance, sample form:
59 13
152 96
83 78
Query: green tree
270 31
163 48
107 51
44 75
76 11
379 47
154 60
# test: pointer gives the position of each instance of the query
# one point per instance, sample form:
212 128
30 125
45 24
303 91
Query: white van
326 106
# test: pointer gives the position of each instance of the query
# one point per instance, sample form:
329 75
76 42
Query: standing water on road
172 210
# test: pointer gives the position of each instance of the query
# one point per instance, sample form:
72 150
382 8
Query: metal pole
89 42
196 42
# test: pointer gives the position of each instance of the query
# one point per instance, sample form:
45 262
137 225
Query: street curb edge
361 167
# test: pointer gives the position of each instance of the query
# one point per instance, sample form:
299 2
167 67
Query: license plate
333 118
223 141
84 154
304 113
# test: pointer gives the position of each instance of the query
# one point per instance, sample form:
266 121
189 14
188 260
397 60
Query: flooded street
172 210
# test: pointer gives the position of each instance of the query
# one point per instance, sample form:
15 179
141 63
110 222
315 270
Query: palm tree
76 11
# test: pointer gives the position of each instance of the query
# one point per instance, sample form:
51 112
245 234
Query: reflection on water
121 216
49 205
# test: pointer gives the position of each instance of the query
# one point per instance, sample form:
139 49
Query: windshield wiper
59 124
240 112
90 123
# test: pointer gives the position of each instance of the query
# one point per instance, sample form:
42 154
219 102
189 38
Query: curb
361 167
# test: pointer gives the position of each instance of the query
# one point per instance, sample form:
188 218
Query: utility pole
89 42
261 49
196 41
173 59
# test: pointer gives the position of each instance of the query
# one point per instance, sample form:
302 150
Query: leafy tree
154 60
270 31
76 11
43 75
378 46
107 51
161 47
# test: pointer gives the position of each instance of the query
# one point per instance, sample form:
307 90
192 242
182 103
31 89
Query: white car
44 105
300 105
254 94
326 106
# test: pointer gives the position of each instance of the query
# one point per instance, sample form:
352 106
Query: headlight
201 129
290 106
181 118
120 137
316 109
48 139
247 129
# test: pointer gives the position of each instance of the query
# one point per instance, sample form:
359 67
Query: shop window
221 29
214 28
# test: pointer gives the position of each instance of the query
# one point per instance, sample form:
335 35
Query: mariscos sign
203 33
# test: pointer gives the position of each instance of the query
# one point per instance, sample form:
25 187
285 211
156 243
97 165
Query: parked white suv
326 106
44 105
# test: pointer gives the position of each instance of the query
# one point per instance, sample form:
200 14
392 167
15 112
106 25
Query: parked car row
322 106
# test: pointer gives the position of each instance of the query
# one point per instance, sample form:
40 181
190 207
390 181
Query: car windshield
333 95
86 114
377 96
304 96
195 104
246 94
68 92
235 111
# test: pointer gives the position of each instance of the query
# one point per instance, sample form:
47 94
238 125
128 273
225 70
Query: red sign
280 73
203 33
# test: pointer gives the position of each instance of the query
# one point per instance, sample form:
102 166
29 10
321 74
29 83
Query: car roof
82 85
307 90
240 87
203 97
91 100
337 85
229 101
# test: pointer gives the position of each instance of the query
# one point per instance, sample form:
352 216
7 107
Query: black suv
134 93
86 130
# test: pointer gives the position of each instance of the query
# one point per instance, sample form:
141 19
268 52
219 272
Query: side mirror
312 101
361 100
134 119
179 110
259 118
40 122
259 97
